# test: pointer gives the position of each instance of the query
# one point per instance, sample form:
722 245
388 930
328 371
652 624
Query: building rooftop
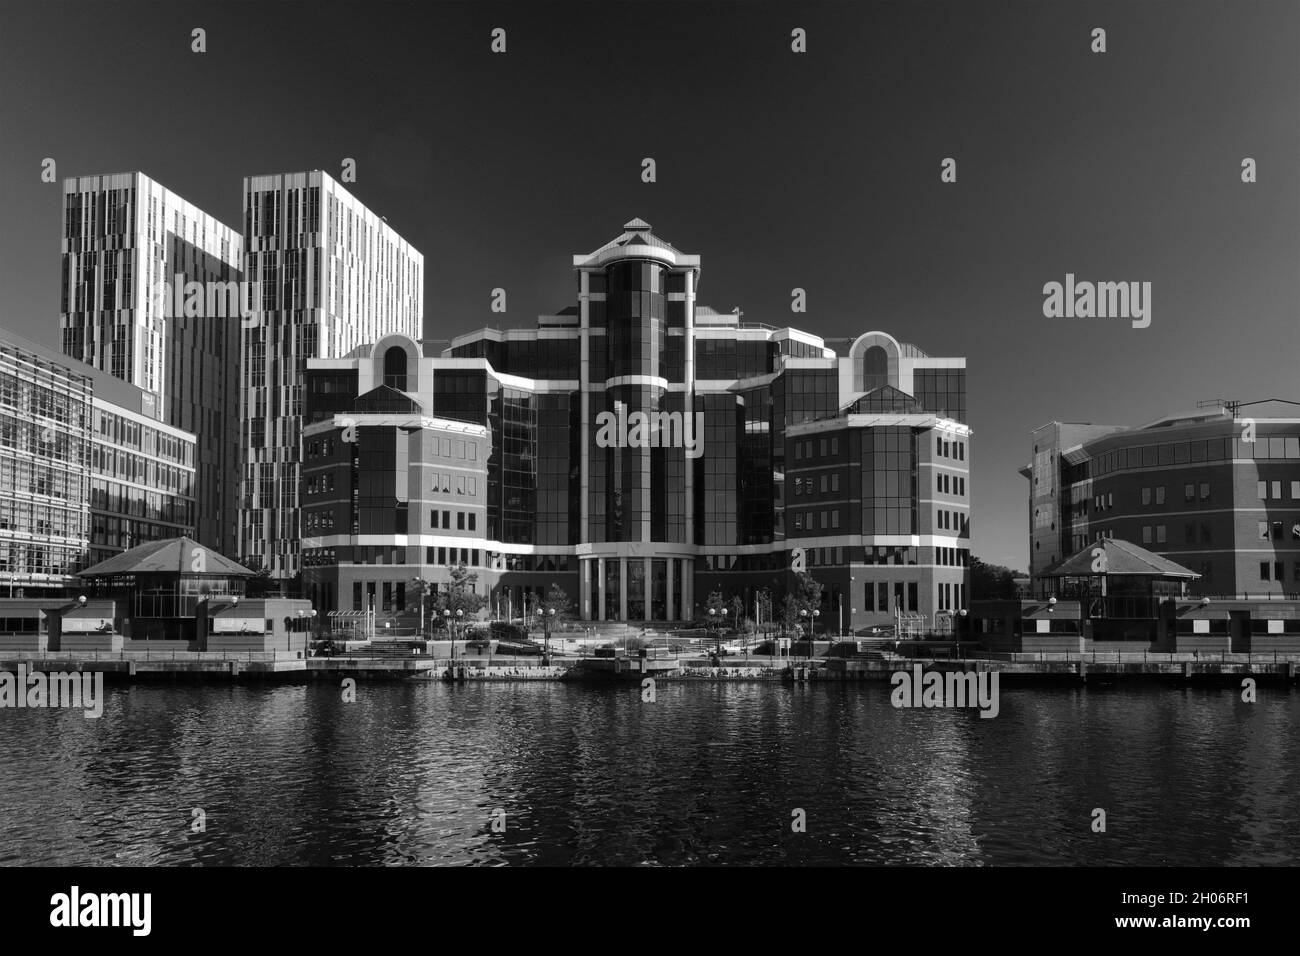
1121 558
170 556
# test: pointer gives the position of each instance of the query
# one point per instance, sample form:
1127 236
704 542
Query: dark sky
818 170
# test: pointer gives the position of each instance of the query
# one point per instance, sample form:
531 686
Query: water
707 774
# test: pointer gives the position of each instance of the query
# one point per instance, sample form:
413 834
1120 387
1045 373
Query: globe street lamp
446 615
460 613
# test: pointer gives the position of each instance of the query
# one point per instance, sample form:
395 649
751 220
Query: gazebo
1115 579
181 590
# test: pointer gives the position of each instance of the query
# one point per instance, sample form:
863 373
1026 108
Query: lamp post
548 621
419 582
460 613
446 617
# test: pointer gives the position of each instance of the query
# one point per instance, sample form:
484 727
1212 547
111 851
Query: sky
782 170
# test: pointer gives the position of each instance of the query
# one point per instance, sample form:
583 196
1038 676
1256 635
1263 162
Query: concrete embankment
1065 669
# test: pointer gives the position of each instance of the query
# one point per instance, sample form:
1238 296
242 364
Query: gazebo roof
172 556
1122 558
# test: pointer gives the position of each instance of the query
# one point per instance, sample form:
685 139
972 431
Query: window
1295 491
1205 490
1146 496
433 518
1263 570
1146 534
1263 490
1279 571
460 484
835 482
1160 495
460 521
1277 490
1160 534
395 368
825 483
1263 530
472 521
1277 531
1189 492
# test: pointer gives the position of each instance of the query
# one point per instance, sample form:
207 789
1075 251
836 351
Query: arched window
875 368
395 368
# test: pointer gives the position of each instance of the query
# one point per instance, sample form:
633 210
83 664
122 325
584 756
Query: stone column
600 590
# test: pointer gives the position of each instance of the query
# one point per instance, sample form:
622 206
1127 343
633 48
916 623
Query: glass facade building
332 275
86 469
642 450
133 255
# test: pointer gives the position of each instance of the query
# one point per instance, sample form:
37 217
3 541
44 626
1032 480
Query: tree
460 595
991 581
554 607
418 599
764 597
807 592
715 615
789 613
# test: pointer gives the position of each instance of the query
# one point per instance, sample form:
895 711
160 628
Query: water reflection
707 774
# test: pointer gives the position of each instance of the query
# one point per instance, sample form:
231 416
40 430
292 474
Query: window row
947 484
1273 530
824 483
1278 569
463 484
825 447
465 520
1272 491
807 520
946 520
947 448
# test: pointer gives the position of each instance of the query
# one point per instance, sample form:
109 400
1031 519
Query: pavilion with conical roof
1116 579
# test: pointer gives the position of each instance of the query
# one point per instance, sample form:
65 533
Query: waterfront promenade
875 666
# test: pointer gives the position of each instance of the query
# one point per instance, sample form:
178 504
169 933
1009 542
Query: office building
133 254
643 451
1216 490
86 469
332 275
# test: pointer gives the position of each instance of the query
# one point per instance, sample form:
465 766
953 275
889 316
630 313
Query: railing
1131 657
147 655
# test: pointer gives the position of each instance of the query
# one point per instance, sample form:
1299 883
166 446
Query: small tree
554 607
737 613
764 598
789 613
460 595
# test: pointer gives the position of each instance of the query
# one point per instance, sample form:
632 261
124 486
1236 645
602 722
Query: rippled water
708 773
